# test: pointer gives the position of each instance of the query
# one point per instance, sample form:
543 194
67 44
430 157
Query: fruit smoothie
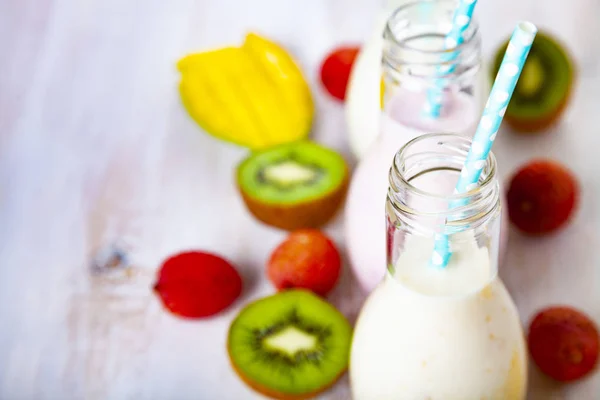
431 332
439 334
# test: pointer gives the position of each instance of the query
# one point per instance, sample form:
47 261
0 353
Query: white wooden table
95 146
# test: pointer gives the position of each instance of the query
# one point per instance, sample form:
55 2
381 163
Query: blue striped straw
504 86
460 23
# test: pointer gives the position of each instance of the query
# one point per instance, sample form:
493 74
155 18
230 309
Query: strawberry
196 284
541 197
564 343
335 70
306 259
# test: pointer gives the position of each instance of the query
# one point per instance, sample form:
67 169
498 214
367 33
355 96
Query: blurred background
97 151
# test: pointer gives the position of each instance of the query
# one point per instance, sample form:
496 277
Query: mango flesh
254 95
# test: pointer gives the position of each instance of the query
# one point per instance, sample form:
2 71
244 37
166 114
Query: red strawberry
306 259
196 284
541 197
564 343
335 70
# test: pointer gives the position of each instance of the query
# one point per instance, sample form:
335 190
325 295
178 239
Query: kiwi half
544 87
292 345
295 185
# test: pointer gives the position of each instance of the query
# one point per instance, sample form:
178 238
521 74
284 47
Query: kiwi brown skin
310 214
275 394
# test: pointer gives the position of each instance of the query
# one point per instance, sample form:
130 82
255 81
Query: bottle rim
462 145
390 30
448 150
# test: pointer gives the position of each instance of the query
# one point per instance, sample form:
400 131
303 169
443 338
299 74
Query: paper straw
502 90
460 23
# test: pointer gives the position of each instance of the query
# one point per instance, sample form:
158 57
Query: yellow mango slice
254 95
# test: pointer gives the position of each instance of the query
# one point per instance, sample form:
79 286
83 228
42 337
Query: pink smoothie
365 206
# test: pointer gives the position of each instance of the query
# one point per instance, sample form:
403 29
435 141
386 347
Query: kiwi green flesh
293 343
544 82
291 173
532 78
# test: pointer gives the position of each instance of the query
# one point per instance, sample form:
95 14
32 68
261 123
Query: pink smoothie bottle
413 62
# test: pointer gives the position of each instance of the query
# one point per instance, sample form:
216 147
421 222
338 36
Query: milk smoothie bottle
413 53
438 333
362 97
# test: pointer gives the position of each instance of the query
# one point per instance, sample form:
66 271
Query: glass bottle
362 105
436 333
412 62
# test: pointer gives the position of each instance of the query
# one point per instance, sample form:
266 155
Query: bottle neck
422 208
417 59
421 195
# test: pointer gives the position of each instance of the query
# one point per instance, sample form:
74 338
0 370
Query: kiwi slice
292 345
295 185
544 87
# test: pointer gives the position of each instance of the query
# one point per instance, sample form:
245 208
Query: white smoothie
439 334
